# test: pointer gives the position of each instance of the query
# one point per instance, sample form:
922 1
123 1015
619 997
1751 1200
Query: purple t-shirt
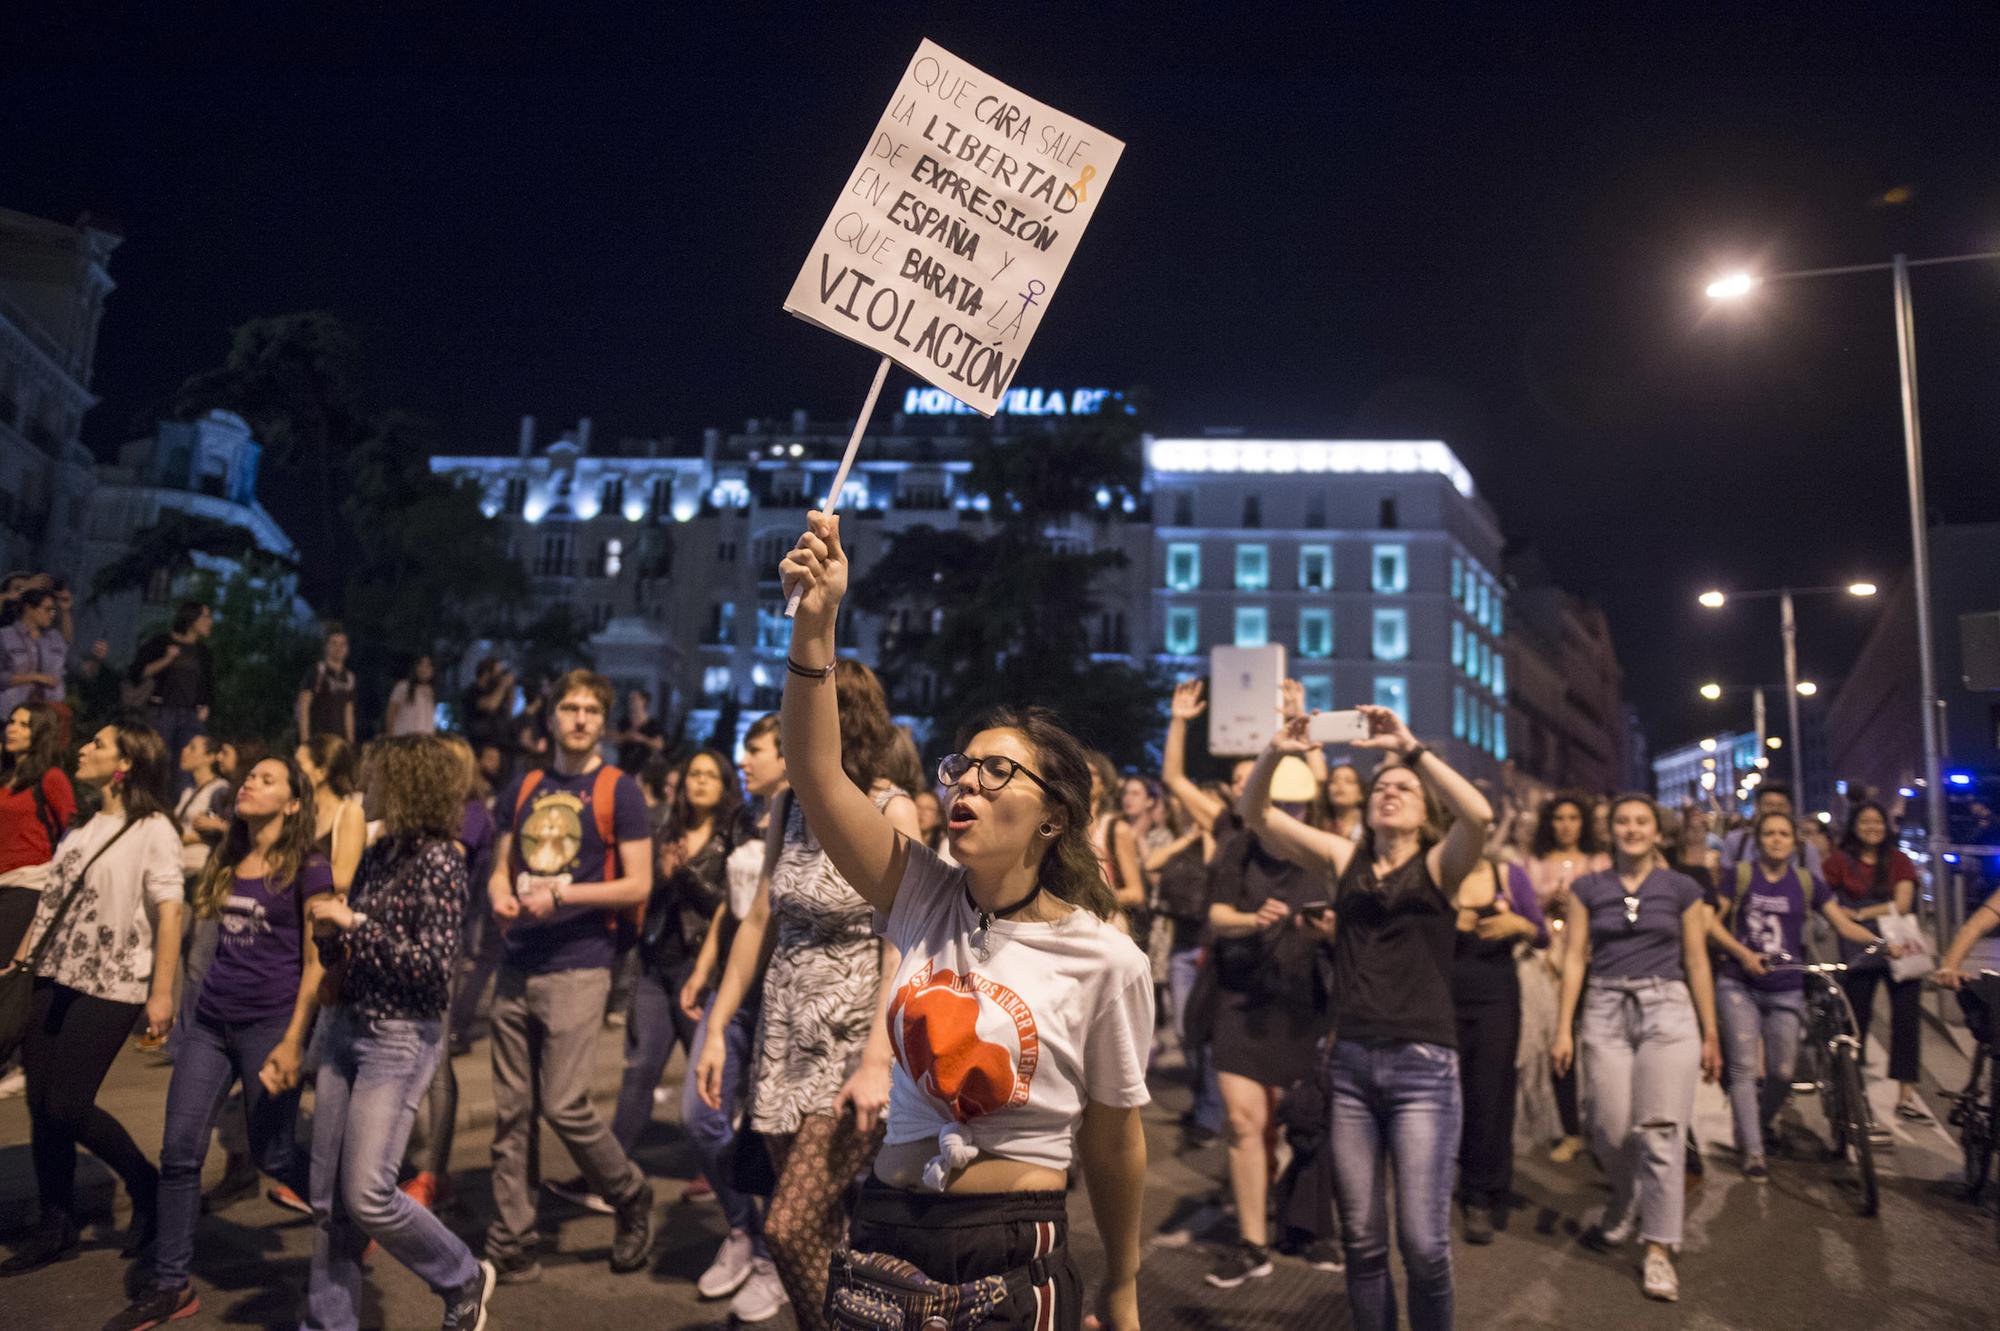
260 949
1625 947
556 833
1770 918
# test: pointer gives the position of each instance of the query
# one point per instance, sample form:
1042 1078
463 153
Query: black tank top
1392 955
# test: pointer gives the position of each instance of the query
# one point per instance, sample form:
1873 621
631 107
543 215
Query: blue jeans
1182 968
213 1057
654 1024
1396 1108
372 1072
1758 1022
713 1131
1640 1045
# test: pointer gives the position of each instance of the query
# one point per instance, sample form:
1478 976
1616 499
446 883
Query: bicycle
1974 1109
1832 1032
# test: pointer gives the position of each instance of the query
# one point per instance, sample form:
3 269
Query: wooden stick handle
846 466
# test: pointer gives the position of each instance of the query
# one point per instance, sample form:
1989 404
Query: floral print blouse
399 961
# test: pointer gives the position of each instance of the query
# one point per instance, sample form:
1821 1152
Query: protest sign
945 246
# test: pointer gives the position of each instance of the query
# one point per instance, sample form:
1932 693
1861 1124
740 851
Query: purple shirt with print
260 949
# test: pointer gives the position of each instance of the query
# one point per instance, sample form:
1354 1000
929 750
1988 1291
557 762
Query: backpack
1746 871
626 923
1183 891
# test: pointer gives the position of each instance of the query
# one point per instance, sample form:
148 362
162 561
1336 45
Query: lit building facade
1722 770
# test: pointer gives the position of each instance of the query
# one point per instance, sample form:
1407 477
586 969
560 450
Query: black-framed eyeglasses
995 771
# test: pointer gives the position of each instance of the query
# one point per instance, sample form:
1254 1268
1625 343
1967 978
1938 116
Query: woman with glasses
1021 1016
1637 960
822 1048
1392 917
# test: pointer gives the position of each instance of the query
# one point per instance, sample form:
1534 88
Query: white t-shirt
105 945
412 709
194 802
1001 1055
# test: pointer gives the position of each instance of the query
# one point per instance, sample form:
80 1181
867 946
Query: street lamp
1711 691
1795 688
1739 285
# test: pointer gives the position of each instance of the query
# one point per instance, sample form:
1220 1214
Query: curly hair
1069 867
421 786
282 862
867 732
1545 825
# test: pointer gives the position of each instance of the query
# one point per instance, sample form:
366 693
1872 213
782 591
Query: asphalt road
1791 1254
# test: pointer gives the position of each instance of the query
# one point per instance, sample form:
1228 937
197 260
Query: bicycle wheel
1850 1109
1973 1114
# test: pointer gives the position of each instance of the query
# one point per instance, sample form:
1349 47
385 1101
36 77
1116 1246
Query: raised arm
1301 843
1203 807
1977 925
864 847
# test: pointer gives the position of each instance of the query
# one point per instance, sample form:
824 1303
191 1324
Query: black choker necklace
980 938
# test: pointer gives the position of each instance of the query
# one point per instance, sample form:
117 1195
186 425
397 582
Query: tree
1009 612
166 549
293 377
262 646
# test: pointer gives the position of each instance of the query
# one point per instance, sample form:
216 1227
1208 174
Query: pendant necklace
982 946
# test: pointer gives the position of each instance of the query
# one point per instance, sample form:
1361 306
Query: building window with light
1183 631
1253 568
1482 599
1472 650
1391 565
1392 634
1457 643
1457 577
1183 566
1253 626
1393 692
1472 721
1458 711
1315 568
1499 675
722 622
1472 590
1486 666
1316 633
1319 692
1499 729
612 558
715 682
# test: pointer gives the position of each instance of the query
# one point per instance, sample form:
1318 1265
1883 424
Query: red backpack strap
625 924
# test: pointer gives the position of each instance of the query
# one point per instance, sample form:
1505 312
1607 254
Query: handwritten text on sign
951 233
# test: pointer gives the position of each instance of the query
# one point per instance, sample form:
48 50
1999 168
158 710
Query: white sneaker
13 1084
1661 1282
762 1294
577 1192
731 1267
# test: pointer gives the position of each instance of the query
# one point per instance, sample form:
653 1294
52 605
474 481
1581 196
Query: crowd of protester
911 1010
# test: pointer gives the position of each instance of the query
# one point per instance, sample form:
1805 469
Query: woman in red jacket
36 804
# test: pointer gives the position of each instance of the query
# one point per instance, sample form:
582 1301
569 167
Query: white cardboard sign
951 233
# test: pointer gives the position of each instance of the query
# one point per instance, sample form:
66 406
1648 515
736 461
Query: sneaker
1325 1255
239 1180
421 1188
731 1267
1478 1226
577 1193
13 1084
282 1196
632 1243
1606 1239
520 1268
1247 1261
762 1294
1755 1170
1910 1109
1661 1283
156 1308
1805 1088
699 1189
465 1307
1566 1150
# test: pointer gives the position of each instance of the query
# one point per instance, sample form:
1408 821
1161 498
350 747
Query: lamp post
1795 688
1739 285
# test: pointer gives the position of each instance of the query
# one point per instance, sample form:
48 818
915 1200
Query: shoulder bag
17 983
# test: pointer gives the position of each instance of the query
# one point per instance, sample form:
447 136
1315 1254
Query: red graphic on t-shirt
964 1039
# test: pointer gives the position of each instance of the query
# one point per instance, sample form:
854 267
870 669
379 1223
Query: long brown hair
144 789
282 863
44 749
867 731
1069 868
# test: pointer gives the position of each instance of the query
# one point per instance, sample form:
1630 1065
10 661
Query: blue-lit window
774 631
1472 725
1457 643
1253 568
1486 666
1457 577
1458 711
1499 675
1471 597
1183 631
1183 566
1316 633
715 681
1319 692
1315 568
1472 655
1253 626
1391 569
1497 624
1393 692
1482 598
1499 729
1392 634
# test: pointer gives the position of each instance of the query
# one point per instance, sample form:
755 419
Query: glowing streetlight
1775 742
1861 589
1733 287
1708 746
1714 600
1708 781
1807 688
1711 691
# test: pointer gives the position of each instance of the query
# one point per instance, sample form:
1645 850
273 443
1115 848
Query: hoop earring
1047 829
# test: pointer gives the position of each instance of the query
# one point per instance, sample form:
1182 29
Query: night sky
1342 226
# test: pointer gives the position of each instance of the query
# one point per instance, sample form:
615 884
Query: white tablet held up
1245 702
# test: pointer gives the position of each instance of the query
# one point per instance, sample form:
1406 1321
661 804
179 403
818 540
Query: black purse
17 983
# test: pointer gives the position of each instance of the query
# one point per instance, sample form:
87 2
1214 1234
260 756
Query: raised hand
1188 702
1386 730
816 566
